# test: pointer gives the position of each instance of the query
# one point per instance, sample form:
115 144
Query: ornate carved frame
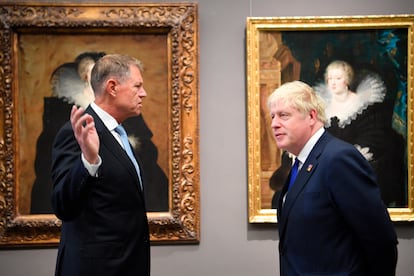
179 22
259 76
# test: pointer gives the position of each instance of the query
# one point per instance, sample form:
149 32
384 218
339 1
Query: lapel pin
309 168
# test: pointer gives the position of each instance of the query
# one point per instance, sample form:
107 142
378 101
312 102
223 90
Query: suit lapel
107 139
308 168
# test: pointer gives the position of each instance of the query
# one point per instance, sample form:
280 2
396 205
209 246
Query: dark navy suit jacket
104 221
333 221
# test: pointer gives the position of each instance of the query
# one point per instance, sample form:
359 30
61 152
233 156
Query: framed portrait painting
47 52
377 52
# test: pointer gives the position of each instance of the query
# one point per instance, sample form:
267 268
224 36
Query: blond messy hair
300 96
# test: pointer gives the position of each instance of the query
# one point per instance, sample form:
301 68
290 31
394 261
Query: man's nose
275 122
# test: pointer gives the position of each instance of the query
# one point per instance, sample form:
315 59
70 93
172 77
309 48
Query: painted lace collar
370 90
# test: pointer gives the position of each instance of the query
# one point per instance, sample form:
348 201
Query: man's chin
282 146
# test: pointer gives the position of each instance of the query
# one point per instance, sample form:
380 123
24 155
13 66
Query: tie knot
120 130
296 163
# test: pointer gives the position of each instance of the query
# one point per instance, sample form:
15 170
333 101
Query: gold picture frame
281 49
36 39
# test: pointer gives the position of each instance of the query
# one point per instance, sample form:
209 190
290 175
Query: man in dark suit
332 220
97 190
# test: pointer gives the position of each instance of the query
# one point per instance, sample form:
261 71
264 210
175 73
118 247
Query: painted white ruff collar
370 90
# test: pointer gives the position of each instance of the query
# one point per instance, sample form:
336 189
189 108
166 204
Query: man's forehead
281 103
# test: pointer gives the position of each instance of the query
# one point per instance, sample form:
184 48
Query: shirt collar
304 153
107 119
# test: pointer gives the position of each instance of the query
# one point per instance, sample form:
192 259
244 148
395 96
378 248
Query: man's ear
111 87
313 115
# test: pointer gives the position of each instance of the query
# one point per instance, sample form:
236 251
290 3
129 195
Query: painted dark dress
366 123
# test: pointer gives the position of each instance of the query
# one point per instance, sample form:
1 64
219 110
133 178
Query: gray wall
229 245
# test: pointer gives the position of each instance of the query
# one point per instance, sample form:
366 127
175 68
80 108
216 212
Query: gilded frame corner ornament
266 72
179 24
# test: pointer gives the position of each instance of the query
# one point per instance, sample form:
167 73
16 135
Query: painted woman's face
336 81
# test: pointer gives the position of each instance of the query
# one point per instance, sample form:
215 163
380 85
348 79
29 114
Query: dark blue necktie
293 172
124 139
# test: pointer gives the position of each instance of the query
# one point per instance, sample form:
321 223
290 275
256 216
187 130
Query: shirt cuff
92 168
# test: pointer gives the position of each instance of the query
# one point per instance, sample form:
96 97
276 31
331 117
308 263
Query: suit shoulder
336 147
64 134
339 149
334 142
65 129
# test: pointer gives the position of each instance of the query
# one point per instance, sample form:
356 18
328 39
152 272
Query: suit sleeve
357 197
69 176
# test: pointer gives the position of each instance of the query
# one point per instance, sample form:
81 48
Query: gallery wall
229 244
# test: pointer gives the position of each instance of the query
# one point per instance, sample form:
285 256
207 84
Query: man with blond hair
331 218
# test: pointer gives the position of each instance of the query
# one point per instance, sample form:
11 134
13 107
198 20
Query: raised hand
84 129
